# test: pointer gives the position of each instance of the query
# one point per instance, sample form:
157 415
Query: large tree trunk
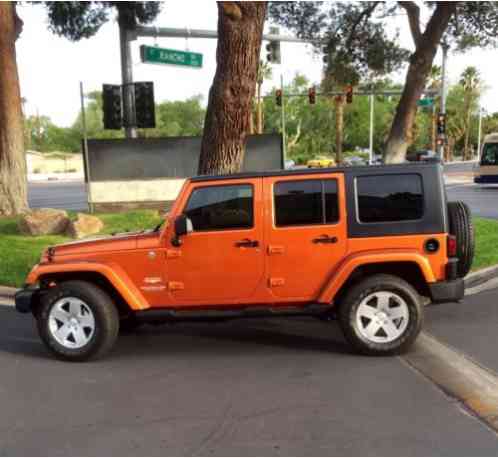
240 29
13 192
401 136
339 128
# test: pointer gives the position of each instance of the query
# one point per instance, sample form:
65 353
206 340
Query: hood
99 244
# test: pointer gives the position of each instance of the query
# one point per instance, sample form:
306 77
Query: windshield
490 154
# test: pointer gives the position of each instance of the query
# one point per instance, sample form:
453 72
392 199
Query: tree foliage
356 39
174 119
77 20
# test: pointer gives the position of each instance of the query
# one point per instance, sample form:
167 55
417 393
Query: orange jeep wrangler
369 246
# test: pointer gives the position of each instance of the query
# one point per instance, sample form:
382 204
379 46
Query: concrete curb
7 292
457 375
481 276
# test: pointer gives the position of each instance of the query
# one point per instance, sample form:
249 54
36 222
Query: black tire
348 309
462 228
105 314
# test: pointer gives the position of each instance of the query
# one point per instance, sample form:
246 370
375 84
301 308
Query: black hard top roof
410 167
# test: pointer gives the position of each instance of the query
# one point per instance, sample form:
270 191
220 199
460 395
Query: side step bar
175 315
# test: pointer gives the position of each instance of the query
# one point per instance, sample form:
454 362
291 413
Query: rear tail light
452 246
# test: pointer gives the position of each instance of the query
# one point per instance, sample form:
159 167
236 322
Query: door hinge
173 254
275 249
175 285
277 282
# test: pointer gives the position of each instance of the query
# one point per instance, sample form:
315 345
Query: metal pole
127 82
442 109
284 139
372 98
479 133
85 149
166 32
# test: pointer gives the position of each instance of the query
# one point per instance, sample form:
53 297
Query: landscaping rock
43 221
84 225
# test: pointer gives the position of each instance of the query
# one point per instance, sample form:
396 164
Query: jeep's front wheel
381 315
77 321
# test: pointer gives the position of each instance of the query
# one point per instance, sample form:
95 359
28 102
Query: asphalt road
255 387
482 200
471 326
459 167
70 195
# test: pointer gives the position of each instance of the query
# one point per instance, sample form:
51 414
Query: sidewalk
7 295
459 178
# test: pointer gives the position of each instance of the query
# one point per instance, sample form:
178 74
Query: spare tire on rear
462 228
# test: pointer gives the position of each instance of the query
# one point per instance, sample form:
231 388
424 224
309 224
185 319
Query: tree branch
365 14
413 12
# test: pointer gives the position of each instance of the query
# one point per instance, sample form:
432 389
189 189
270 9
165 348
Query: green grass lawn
18 253
486 243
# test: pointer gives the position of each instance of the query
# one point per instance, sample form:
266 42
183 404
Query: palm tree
434 83
470 80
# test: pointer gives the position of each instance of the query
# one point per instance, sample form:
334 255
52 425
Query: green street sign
155 55
427 102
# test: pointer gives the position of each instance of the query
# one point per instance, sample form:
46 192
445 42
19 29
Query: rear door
306 233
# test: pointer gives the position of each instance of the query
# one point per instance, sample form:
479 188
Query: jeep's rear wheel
381 315
77 321
462 228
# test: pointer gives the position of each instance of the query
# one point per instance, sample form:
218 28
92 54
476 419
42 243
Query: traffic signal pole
442 99
127 82
166 32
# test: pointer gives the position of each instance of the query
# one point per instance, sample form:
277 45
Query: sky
51 68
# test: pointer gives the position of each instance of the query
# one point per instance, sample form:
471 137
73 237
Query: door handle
247 243
325 239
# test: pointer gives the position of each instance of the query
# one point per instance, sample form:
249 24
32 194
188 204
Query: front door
222 260
307 237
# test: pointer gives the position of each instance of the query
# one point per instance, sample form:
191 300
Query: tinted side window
390 198
221 207
490 154
331 201
307 202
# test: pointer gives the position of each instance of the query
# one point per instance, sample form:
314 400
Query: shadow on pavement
19 336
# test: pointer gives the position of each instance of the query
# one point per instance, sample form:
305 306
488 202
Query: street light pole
85 148
372 98
282 114
479 132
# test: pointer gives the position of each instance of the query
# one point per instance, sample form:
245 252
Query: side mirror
183 226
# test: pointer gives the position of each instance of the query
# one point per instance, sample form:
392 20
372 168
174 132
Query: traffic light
441 124
278 97
326 54
312 95
273 52
349 94
145 109
112 106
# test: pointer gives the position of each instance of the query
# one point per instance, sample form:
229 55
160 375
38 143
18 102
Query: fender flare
351 263
113 273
